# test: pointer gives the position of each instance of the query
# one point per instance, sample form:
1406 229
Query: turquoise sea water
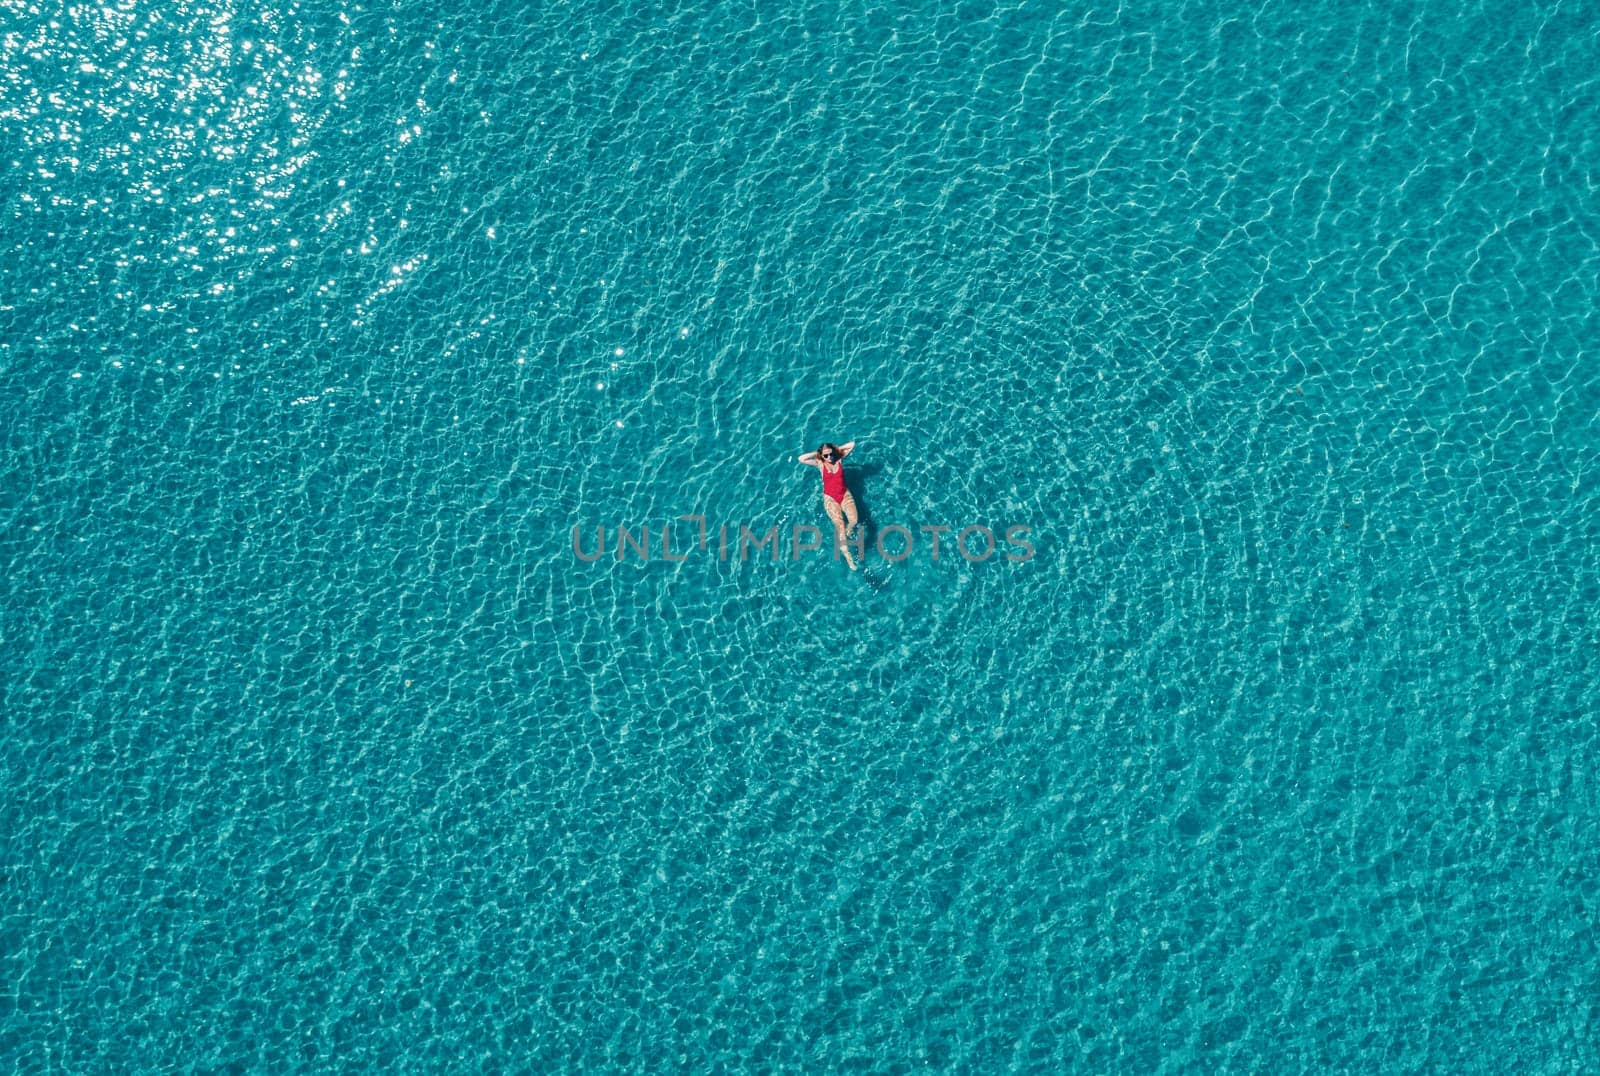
321 327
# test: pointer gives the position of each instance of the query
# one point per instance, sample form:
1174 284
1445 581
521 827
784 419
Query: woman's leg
836 513
851 518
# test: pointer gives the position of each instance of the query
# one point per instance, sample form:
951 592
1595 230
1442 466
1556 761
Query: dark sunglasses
830 456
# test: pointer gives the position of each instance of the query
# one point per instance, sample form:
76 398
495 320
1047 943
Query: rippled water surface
322 327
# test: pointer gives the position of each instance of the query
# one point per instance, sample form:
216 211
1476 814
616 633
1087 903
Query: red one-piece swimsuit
833 483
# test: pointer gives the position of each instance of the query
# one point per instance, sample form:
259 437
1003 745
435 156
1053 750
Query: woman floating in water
836 498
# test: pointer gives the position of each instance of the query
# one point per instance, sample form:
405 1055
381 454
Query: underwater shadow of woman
861 483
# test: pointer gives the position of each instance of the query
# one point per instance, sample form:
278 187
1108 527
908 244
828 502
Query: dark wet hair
829 446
